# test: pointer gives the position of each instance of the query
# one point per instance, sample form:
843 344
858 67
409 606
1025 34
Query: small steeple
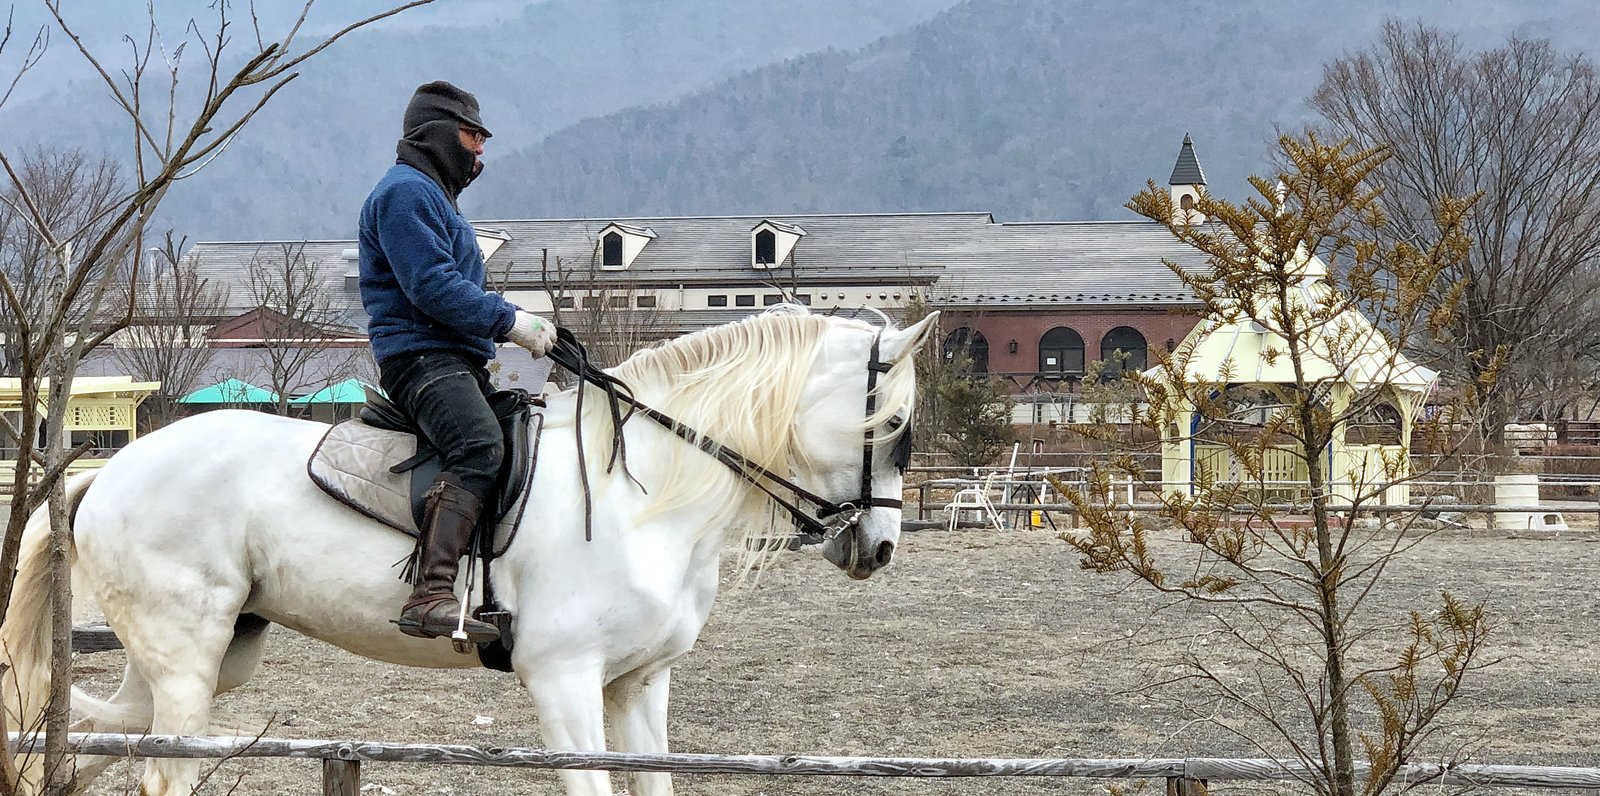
1187 170
1188 184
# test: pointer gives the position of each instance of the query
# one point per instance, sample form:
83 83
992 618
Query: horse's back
220 441
219 506
176 506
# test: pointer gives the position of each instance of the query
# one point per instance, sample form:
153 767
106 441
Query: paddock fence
1031 495
927 509
342 761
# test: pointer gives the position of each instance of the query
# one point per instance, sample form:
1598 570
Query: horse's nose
884 553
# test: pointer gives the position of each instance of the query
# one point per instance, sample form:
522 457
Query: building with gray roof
1036 302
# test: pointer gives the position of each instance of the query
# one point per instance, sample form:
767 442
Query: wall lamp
1012 346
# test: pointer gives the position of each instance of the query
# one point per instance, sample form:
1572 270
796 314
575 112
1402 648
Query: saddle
377 464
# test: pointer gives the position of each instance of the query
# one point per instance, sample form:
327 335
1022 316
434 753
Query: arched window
1187 202
766 247
1123 348
611 250
1060 353
970 347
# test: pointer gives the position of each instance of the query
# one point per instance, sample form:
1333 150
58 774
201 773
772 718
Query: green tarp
349 391
232 391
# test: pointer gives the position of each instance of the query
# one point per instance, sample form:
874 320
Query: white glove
533 333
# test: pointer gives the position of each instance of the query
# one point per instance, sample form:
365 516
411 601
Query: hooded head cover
432 142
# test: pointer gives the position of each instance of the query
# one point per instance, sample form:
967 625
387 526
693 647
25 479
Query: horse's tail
25 636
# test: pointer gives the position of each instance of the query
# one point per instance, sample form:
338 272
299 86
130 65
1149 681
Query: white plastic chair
975 498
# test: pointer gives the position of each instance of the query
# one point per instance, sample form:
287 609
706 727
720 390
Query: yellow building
1240 360
103 410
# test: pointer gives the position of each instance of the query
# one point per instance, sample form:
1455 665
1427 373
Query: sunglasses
478 136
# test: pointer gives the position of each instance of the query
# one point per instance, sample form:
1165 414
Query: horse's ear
901 343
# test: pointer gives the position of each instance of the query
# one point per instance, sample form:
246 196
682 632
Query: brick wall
1027 325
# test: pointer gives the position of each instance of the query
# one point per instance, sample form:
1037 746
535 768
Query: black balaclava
432 142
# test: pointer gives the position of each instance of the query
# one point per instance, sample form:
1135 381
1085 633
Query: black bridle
570 354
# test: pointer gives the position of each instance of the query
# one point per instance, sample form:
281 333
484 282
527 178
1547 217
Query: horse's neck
708 500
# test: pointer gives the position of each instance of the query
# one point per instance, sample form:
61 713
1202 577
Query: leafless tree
302 342
613 314
173 307
172 137
70 190
1520 125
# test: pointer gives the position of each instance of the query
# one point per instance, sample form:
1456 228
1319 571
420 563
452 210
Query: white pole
1011 472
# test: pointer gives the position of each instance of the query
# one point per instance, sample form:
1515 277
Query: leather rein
570 354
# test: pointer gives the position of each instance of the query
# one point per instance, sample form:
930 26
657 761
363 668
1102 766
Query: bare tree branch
30 59
1520 125
303 344
86 249
172 307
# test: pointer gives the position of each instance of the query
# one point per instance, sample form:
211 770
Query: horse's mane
711 381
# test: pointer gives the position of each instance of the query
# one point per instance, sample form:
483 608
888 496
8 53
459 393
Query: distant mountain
1032 109
304 164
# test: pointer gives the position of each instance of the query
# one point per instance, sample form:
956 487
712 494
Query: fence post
341 777
1183 786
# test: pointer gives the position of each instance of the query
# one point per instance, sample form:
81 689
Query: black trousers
447 396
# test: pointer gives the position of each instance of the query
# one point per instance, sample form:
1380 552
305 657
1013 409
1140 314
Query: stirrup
422 618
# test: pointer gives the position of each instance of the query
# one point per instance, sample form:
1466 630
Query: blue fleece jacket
422 273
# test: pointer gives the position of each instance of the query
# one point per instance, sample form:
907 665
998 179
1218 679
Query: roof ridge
270 242
1077 222
741 217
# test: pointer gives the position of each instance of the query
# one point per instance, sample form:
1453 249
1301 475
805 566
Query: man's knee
478 460
491 450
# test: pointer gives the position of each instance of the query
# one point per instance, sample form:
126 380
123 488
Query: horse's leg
243 657
180 653
131 709
637 708
571 718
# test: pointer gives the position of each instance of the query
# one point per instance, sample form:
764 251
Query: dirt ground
973 644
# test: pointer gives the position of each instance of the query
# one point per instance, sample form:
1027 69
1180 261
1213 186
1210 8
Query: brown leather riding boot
433 610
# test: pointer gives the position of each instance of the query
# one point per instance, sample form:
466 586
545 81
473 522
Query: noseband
570 354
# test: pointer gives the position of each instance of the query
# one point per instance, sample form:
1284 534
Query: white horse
213 518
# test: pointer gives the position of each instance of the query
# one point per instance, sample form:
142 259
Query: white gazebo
1347 356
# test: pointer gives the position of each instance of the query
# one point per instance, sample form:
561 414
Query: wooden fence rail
343 758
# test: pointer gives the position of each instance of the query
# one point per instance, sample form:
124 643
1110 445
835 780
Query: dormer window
771 243
766 248
611 250
352 268
490 240
620 244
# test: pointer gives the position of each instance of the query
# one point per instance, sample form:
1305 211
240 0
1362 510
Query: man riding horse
433 330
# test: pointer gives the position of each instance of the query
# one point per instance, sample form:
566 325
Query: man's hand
533 333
